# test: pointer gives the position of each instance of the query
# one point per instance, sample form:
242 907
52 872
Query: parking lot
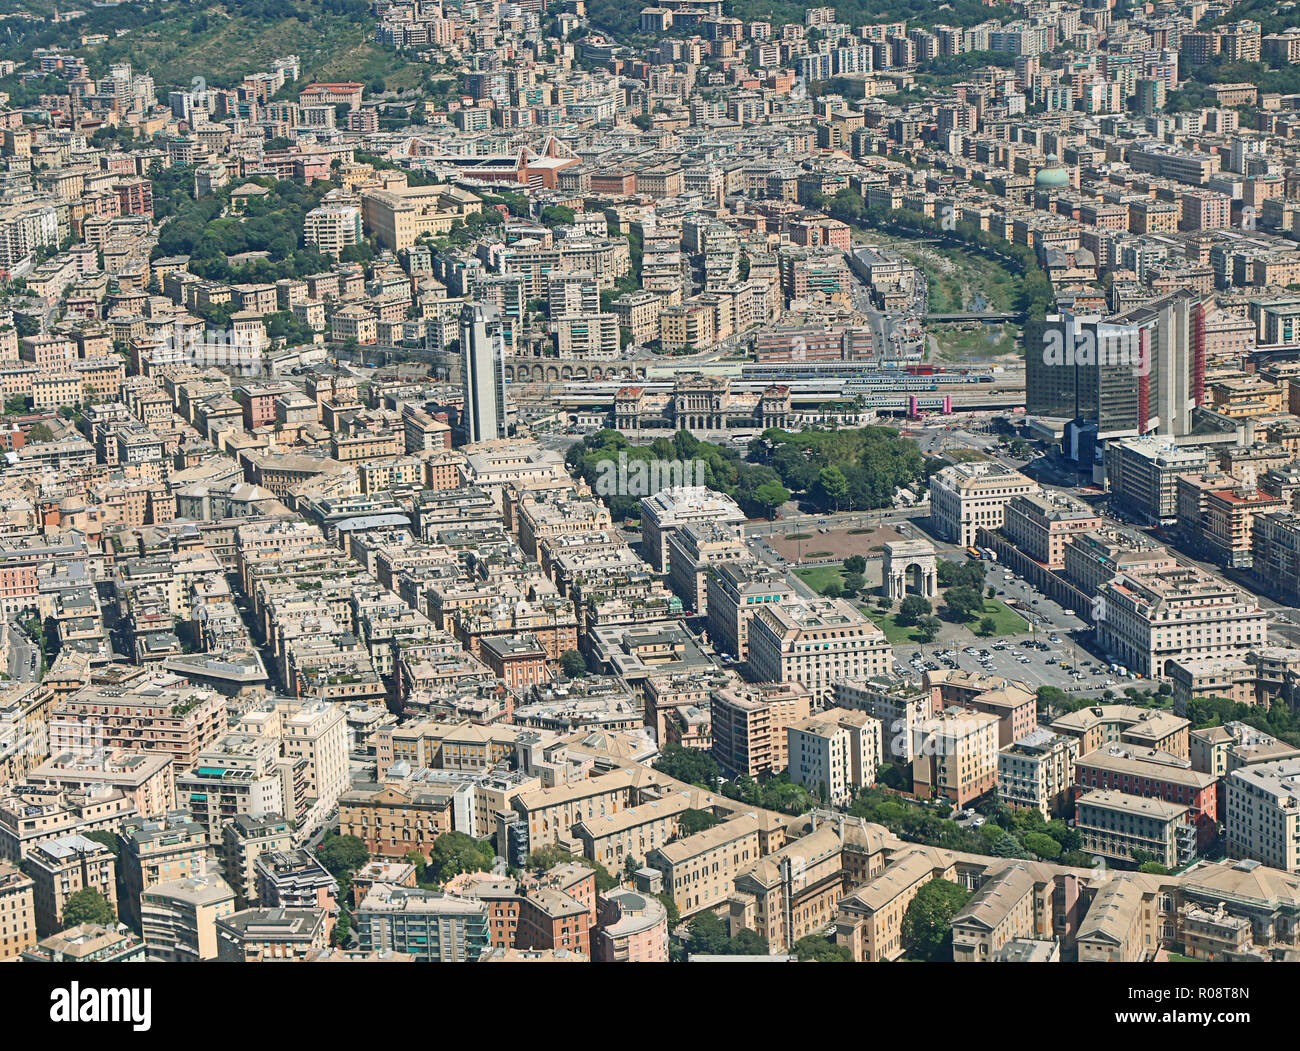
1052 654
1022 660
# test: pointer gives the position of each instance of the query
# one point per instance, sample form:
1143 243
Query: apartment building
24 733
1181 166
869 920
394 820
316 734
735 591
244 839
595 337
966 498
695 551
17 912
1150 772
670 509
898 704
429 925
1261 814
749 725
792 892
666 696
88 943
699 870
1219 521
817 643
296 879
32 815
178 918
608 260
638 312
173 847
634 832
266 935
835 753
1275 554
1114 930
554 911
1009 904
242 774
545 516
956 756
1142 474
1037 772
354 323
153 715
549 814
1147 621
61 867
1125 724
1016 708
1042 524
146 779
1220 750
521 662
445 745
1122 827
332 228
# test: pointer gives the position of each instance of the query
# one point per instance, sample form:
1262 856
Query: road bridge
989 317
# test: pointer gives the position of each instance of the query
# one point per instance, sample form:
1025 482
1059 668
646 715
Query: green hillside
222 40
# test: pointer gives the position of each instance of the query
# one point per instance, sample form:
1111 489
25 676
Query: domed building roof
1052 175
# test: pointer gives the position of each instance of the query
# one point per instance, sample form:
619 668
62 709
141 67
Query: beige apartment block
956 756
1119 827
146 779
62 867
699 870
750 723
793 892
157 715
1007 905
244 839
966 498
869 920
551 813
399 215
1150 621
179 918
1113 930
1042 524
32 816
1037 772
817 642
332 228
834 753
1125 724
267 935
734 592
1261 815
17 912
634 832
157 851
